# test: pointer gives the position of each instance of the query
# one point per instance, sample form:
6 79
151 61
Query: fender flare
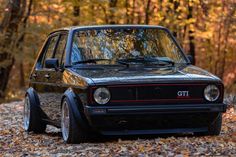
37 124
34 97
73 103
36 102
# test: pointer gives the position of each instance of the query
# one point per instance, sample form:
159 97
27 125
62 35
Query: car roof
105 26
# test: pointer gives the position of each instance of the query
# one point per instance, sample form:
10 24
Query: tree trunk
190 36
22 76
147 12
76 13
112 6
127 11
20 43
226 22
5 69
133 12
12 17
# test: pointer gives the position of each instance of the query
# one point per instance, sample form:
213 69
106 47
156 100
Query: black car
120 80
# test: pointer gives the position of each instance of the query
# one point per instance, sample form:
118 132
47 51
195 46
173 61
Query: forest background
206 29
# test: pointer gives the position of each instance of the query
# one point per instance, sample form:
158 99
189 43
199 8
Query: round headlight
102 95
211 93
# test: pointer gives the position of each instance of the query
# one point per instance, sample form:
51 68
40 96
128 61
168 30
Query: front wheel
71 131
215 127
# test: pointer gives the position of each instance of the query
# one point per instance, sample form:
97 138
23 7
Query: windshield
109 46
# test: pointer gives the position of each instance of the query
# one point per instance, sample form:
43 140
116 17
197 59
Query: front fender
74 104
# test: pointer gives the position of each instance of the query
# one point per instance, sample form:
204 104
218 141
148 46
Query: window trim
41 58
64 50
38 65
54 49
74 31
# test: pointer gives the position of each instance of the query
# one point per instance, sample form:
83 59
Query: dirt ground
15 142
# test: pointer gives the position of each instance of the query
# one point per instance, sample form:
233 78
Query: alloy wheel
26 117
65 121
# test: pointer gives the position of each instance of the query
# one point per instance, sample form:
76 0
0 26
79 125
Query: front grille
156 94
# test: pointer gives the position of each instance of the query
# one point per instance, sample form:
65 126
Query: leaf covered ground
15 142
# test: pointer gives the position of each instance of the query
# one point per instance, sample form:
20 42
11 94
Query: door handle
47 76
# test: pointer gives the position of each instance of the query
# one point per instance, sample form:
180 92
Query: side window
48 52
77 53
60 51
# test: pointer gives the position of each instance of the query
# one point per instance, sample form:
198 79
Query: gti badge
182 94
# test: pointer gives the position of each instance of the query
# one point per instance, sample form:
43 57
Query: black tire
215 127
35 122
76 133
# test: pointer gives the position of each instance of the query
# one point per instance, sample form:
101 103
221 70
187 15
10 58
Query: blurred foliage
207 27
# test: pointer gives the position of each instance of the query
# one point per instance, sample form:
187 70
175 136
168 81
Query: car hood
103 75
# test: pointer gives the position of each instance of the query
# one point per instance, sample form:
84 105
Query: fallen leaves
15 142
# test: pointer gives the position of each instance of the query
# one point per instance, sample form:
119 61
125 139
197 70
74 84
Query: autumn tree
14 12
204 29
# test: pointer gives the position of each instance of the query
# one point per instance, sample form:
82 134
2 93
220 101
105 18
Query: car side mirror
52 63
190 58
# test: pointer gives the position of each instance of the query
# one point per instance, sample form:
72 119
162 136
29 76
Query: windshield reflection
107 46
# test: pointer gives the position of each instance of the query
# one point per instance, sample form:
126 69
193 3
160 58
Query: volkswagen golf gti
120 80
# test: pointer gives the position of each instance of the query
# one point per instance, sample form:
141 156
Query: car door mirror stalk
190 58
61 69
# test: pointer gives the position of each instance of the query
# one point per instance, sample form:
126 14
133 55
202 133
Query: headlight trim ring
214 95
102 95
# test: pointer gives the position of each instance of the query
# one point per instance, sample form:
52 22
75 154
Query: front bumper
183 108
152 119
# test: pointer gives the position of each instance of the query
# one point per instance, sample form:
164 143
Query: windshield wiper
146 60
129 61
122 62
90 61
165 61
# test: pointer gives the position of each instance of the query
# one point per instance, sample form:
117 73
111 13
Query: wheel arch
37 124
74 103
33 95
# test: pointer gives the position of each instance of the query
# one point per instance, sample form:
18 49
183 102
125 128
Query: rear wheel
31 118
71 131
